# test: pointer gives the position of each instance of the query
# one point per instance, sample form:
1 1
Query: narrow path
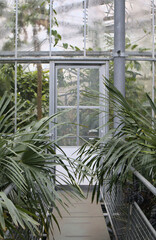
85 221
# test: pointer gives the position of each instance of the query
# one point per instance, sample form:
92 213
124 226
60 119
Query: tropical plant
27 162
26 86
131 144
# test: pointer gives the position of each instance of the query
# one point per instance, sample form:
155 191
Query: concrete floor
85 221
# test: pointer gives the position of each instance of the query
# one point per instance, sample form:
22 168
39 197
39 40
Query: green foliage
133 143
28 161
26 86
6 78
65 45
10 213
57 37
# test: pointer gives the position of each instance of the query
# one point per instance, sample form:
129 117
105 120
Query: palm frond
28 160
132 143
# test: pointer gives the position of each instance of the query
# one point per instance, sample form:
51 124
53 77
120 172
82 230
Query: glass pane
32 79
138 25
68 24
33 25
67 120
100 25
67 141
138 82
7 25
89 80
67 87
89 122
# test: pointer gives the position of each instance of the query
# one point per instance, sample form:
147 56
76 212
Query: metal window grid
102 66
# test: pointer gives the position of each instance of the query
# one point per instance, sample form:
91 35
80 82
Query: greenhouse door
78 119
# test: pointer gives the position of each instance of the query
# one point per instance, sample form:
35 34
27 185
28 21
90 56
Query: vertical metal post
119 48
16 45
153 55
51 25
52 106
85 25
104 106
52 96
78 106
15 122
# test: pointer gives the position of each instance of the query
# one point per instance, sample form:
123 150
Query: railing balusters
127 219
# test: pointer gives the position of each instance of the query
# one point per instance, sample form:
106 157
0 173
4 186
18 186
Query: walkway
85 221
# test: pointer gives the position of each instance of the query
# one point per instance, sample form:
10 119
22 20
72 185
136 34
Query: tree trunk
39 91
39 76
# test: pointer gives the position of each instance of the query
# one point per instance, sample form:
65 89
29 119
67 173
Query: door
79 115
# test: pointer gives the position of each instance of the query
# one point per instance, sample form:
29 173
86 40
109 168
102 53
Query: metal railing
116 209
126 216
138 225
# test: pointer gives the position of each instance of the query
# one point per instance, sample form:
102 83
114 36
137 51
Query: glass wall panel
89 122
68 25
138 25
7 25
33 25
31 79
67 87
89 81
138 82
100 25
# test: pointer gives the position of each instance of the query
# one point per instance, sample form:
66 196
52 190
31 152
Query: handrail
116 206
145 219
144 181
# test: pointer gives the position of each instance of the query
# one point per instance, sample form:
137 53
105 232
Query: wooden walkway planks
85 221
